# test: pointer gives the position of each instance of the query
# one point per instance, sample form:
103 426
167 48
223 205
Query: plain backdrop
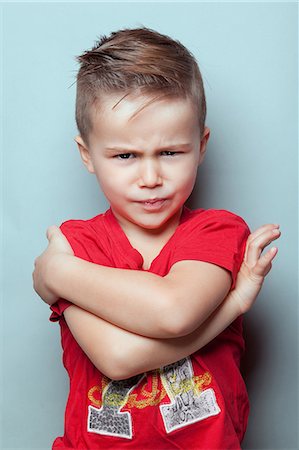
248 56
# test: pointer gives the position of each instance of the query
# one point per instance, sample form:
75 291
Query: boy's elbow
115 373
117 365
176 320
177 328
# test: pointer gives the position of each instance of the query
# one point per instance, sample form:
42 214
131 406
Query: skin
157 156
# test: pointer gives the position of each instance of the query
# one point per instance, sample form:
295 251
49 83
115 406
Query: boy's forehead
120 103
161 123
133 108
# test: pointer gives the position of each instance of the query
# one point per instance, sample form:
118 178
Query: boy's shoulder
90 239
215 236
211 217
92 223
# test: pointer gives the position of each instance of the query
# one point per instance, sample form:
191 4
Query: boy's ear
85 154
203 144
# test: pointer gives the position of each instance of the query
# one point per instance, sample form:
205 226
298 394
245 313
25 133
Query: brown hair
137 60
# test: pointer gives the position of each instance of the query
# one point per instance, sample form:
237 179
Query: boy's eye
168 153
124 156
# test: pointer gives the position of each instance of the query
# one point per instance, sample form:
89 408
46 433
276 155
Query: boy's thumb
52 231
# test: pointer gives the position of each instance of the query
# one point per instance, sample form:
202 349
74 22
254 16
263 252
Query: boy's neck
149 242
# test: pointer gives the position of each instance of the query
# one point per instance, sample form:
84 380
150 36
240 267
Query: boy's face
146 165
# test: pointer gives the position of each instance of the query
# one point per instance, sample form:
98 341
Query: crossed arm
116 342
143 302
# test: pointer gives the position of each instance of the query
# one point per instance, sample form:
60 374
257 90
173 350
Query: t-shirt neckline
120 238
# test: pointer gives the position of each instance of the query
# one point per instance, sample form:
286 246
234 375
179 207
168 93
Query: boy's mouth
153 200
153 203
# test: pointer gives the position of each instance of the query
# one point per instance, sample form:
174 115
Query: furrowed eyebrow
167 147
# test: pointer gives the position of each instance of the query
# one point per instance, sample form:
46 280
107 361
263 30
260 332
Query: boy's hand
255 266
57 249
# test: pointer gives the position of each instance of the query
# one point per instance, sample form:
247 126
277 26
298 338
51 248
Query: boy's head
136 61
141 112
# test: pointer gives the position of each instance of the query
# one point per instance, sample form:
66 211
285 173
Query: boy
140 289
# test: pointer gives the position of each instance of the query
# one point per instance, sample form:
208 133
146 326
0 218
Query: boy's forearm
120 354
155 353
104 291
138 301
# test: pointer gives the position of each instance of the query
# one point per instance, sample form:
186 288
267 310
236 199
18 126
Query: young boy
147 294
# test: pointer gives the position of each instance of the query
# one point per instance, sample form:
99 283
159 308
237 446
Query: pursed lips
152 200
152 203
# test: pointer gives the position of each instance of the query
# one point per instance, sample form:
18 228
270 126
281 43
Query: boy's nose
150 174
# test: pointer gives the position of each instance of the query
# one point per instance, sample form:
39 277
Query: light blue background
248 57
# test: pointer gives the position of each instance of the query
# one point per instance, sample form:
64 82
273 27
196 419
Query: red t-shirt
199 402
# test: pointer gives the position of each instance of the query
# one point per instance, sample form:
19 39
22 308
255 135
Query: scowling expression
146 164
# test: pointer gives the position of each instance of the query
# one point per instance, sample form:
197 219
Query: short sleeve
73 230
89 241
214 236
58 309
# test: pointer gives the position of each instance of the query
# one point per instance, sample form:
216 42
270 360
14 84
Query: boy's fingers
256 246
261 230
264 264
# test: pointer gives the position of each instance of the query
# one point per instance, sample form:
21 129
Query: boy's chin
150 221
153 222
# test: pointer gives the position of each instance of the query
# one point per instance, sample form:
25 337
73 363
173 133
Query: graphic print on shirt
109 420
189 402
187 405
